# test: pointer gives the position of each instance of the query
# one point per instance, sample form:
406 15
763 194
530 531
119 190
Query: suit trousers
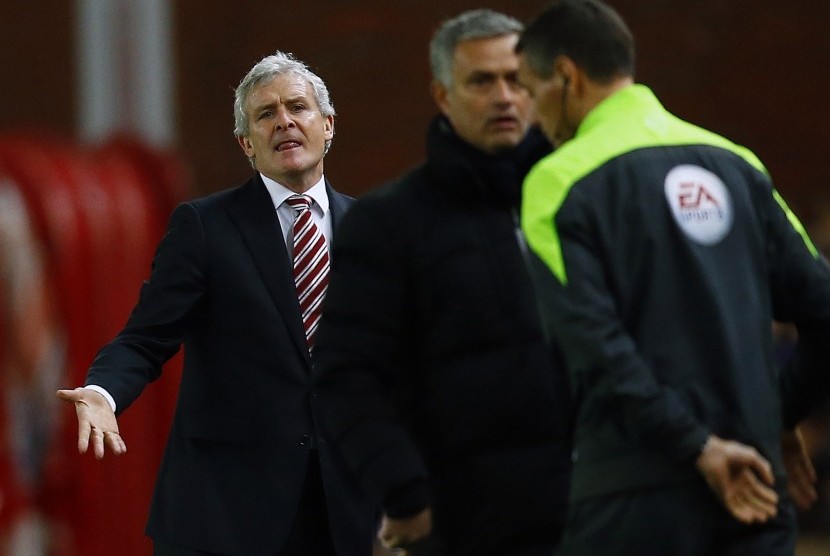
682 520
310 533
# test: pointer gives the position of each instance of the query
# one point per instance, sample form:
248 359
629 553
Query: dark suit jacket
245 423
431 357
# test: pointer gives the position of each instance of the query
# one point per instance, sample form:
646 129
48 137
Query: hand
741 478
398 533
800 471
96 421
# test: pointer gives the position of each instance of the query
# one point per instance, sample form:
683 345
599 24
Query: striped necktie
311 264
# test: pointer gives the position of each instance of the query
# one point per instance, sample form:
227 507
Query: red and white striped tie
311 264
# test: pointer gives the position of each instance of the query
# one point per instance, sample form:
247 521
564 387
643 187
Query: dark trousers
310 533
681 520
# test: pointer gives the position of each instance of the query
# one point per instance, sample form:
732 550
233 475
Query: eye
513 81
265 114
480 80
297 108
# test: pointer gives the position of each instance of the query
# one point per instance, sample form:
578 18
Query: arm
155 328
562 227
801 475
151 336
363 346
800 281
581 311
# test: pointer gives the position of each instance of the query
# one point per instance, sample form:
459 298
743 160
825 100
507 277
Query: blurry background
111 111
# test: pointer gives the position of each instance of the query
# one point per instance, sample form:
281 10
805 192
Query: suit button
305 440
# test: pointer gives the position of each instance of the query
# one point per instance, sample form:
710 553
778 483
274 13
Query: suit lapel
253 213
338 205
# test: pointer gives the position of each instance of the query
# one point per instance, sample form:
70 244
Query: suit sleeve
581 310
154 330
360 353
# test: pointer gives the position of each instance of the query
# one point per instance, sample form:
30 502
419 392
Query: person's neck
299 183
595 93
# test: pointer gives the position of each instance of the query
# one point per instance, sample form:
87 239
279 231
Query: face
485 104
548 103
287 133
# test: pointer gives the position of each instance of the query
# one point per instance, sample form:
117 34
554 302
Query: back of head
263 72
589 32
469 25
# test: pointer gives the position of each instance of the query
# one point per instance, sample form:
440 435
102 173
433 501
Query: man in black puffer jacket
444 395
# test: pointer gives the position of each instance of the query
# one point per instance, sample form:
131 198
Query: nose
505 91
283 120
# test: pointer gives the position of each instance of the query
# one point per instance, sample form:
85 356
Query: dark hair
589 32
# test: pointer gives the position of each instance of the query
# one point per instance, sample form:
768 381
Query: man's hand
801 474
741 478
96 422
398 533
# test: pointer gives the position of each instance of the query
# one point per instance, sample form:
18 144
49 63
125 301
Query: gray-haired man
247 469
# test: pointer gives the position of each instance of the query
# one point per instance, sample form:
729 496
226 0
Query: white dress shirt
319 209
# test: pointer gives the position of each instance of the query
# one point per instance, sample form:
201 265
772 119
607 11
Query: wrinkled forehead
280 88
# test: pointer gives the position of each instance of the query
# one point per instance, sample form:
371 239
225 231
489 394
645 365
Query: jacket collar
463 171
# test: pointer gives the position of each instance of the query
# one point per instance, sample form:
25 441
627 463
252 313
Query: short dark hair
589 32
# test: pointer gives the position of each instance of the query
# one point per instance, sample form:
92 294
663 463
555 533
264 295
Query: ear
569 72
328 127
439 95
246 145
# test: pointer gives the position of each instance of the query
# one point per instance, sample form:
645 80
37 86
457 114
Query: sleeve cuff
692 445
104 393
408 500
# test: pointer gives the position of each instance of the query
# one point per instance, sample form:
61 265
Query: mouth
504 123
288 145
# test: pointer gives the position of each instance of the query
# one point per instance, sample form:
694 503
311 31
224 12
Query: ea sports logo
700 203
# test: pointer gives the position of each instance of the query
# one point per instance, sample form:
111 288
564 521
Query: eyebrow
493 74
285 102
261 107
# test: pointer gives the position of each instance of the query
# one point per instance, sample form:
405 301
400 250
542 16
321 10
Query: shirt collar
279 193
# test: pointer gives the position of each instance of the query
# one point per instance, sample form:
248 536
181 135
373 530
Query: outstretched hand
96 422
741 478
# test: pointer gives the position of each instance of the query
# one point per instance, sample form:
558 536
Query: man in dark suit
246 471
433 365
